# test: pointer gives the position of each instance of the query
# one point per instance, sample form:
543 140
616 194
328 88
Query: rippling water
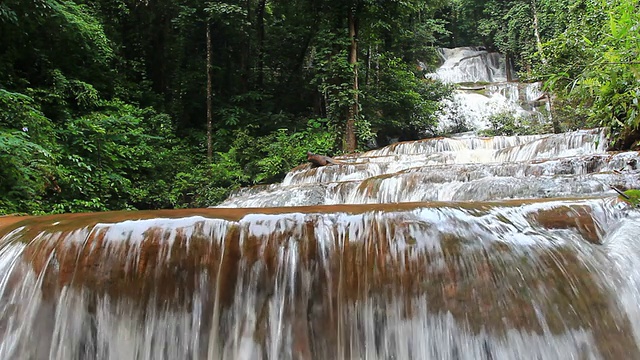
518 279
462 248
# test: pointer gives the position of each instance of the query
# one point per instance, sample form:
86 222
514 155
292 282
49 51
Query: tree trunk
554 119
260 25
245 54
209 94
366 77
350 131
377 55
536 31
507 64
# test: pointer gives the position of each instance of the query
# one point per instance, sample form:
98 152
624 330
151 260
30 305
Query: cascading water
457 169
449 248
483 91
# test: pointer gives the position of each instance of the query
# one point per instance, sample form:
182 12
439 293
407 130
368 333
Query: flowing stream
483 90
449 248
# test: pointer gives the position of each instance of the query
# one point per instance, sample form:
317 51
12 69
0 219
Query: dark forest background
126 104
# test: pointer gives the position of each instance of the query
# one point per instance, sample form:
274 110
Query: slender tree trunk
209 95
507 64
377 55
260 24
554 120
366 77
536 31
246 51
350 131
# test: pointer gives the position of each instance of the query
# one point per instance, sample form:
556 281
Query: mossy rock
632 197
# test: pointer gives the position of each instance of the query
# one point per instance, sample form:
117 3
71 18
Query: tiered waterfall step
120 245
461 169
497 280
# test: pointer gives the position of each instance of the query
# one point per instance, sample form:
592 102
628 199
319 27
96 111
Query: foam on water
450 282
488 94
379 271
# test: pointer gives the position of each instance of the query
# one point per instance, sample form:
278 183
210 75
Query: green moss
633 197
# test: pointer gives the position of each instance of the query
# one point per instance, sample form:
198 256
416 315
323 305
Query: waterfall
467 168
460 248
518 279
483 91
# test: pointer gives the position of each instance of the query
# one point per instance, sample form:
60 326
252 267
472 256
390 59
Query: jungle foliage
586 52
104 104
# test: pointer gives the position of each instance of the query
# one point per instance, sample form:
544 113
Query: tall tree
352 112
594 67
209 94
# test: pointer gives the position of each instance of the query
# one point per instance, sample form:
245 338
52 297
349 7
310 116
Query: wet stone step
608 162
105 252
587 140
486 278
435 186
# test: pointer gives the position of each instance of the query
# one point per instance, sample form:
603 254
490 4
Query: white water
459 169
508 270
485 93
327 305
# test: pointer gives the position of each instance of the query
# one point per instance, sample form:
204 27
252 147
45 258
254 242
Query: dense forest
145 104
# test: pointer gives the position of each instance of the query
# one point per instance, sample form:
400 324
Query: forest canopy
145 104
